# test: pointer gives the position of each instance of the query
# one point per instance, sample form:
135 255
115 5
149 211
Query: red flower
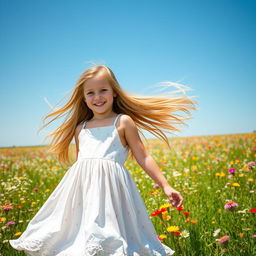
176 233
180 208
253 210
186 213
156 212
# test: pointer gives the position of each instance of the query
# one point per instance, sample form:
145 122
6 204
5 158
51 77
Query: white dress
96 209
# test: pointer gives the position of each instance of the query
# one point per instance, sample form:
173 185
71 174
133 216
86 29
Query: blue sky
208 46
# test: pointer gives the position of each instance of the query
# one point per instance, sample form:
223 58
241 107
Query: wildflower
236 184
162 236
220 174
17 233
230 205
35 189
156 186
184 233
216 232
9 223
180 208
156 212
2 219
223 240
165 206
186 213
254 236
251 164
253 210
7 207
172 229
232 170
241 234
176 233
194 221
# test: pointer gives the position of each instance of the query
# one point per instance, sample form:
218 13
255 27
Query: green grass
195 166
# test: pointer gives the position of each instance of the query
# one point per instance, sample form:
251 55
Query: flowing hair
152 113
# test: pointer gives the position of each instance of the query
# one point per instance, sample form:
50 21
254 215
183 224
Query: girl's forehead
96 82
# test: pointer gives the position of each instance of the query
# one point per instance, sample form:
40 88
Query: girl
96 209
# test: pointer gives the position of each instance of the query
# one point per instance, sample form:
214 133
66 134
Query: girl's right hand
173 195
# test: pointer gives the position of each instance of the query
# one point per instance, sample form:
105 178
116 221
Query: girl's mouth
99 104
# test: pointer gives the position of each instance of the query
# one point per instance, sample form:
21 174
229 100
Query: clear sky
206 45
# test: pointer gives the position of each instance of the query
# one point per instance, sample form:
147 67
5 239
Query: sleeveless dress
96 209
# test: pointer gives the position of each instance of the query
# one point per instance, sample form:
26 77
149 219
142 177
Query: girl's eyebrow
102 87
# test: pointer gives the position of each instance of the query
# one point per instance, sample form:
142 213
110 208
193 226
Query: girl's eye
104 89
89 93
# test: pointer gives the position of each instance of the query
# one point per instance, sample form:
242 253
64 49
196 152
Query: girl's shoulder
126 120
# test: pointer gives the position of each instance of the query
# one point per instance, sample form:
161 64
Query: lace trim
25 244
95 246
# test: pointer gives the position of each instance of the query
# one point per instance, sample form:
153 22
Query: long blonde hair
152 113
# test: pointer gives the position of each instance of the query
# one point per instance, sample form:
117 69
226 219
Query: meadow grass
209 171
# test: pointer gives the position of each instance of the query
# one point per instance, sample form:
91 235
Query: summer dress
96 209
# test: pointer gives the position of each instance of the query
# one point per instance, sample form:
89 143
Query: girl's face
98 94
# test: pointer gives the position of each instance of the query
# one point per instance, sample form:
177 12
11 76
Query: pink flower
10 223
36 189
232 170
156 186
251 164
230 205
223 240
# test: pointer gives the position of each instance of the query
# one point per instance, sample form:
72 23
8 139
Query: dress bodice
101 143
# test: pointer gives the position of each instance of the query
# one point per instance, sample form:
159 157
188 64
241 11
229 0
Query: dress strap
116 119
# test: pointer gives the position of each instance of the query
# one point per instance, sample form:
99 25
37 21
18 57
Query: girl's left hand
173 195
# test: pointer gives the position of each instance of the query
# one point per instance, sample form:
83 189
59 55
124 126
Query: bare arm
145 160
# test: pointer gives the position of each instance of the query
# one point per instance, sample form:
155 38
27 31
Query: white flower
184 233
216 232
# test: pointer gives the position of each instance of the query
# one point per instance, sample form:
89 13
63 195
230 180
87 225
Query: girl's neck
103 116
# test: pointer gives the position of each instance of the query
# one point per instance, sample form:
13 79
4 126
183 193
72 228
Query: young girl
96 209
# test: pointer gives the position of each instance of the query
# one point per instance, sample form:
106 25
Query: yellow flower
194 221
250 179
165 206
23 201
166 216
193 167
241 234
33 203
163 236
220 174
2 219
47 190
241 175
235 184
213 222
17 233
172 229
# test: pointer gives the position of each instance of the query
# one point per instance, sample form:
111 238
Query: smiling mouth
100 104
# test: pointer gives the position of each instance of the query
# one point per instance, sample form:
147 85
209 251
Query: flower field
214 174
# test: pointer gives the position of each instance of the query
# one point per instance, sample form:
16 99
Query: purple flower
232 170
36 189
230 205
10 223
